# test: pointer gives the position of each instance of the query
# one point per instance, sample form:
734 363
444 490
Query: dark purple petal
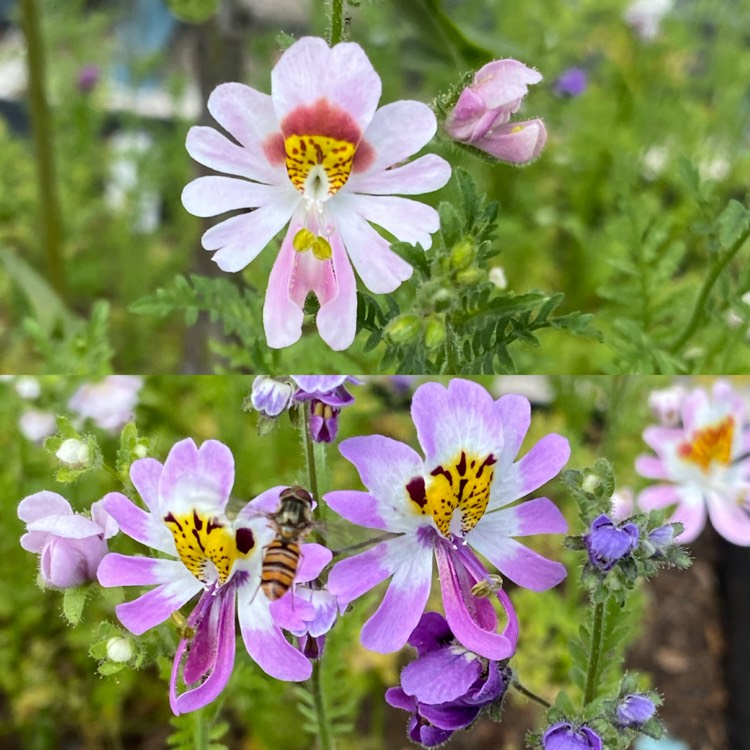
563 736
487 689
441 676
432 632
449 715
607 543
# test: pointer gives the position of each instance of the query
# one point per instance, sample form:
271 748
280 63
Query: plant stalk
521 689
41 126
700 303
594 655
336 25
324 735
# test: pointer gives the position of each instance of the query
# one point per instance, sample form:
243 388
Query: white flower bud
28 388
119 649
497 277
141 451
73 452
591 483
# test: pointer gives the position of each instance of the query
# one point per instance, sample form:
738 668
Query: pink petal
155 606
214 195
210 148
310 71
651 467
139 525
313 558
41 504
423 175
538 516
125 570
515 142
515 415
354 576
356 507
381 270
729 518
67 526
145 474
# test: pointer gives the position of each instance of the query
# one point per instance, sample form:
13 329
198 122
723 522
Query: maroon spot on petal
438 470
273 148
321 118
416 490
169 518
244 540
197 520
461 466
364 156
489 461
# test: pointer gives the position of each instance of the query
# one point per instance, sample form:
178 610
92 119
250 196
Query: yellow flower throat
462 485
710 444
200 540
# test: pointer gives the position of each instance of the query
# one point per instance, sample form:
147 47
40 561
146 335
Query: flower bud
141 451
469 276
498 278
74 452
28 388
404 329
119 649
591 483
564 736
634 711
434 336
608 543
463 253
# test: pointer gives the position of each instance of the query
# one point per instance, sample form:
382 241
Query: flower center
710 444
208 546
461 485
318 165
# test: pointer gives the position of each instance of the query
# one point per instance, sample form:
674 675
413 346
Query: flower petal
240 239
126 570
690 510
313 558
145 474
310 71
651 467
42 504
381 270
537 516
514 411
423 175
397 131
519 563
193 476
359 508
265 642
354 576
210 148
68 525
404 601
407 220
542 463
139 525
729 518
514 142
214 195
155 606
441 676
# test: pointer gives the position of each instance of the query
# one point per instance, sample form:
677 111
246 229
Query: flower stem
451 363
700 302
41 125
312 472
324 735
200 731
521 689
336 25
594 655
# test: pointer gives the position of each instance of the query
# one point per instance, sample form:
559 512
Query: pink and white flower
109 402
703 465
206 554
319 156
70 545
449 505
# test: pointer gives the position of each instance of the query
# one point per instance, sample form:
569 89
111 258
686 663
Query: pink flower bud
481 117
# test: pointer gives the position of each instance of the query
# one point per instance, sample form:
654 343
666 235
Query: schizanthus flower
317 156
207 554
109 402
481 117
70 546
703 464
447 687
449 505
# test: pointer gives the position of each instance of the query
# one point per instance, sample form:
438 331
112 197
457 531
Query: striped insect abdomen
279 568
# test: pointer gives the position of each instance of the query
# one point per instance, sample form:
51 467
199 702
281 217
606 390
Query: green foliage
459 321
193 11
199 729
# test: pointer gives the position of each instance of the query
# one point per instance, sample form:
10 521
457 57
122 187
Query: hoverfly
292 522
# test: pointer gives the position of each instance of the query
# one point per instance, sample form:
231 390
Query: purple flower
110 402
661 539
564 736
634 710
271 396
608 542
449 505
447 686
327 395
572 82
88 77
318 157
70 546
207 554
701 465
481 117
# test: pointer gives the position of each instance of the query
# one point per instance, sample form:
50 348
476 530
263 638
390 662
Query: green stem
700 303
521 689
594 655
312 472
41 125
451 362
336 26
324 735
200 731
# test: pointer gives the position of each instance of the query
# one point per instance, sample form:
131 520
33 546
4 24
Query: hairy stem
336 25
521 689
312 471
708 284
594 654
41 125
324 735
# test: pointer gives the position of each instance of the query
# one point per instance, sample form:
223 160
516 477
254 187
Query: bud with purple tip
571 82
564 736
634 711
607 542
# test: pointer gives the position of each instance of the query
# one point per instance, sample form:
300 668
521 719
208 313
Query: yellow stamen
303 240
321 249
304 152
710 444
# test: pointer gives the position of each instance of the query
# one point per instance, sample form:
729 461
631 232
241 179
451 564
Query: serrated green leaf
734 221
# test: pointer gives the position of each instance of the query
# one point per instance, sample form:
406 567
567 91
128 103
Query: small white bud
746 298
141 451
28 388
73 452
591 483
119 649
497 277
